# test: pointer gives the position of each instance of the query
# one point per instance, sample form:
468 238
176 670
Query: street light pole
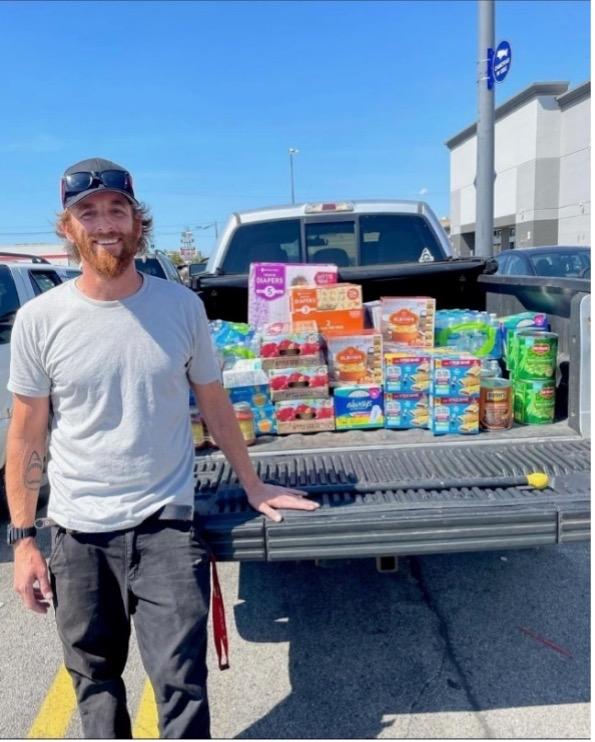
292 151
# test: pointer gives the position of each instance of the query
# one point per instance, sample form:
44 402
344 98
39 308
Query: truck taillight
320 208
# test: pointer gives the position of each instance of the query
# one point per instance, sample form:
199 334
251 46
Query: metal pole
484 180
292 152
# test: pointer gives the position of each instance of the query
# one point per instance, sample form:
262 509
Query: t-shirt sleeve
204 367
27 374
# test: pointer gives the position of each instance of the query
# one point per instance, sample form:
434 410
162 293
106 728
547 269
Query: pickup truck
386 493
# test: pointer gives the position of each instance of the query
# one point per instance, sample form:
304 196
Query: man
114 352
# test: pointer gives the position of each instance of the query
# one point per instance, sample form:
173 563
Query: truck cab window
332 242
396 238
43 281
267 242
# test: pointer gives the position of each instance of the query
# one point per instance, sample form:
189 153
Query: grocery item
285 339
516 322
454 415
373 314
408 320
304 415
496 404
406 410
535 354
233 341
471 331
299 381
534 401
490 368
269 284
407 371
337 307
455 375
359 406
245 420
245 372
354 357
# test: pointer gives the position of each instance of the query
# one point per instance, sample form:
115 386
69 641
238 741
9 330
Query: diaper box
337 307
359 406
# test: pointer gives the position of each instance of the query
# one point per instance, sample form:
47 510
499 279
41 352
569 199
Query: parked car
158 264
560 261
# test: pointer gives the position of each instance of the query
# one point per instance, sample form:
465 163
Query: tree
176 258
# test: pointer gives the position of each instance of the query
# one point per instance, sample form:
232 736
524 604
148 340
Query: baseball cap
90 176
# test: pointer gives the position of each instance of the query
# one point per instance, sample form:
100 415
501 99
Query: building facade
542 195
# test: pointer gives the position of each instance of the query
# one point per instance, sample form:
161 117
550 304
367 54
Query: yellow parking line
56 710
146 724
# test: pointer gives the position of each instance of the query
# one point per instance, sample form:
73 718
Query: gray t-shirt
117 374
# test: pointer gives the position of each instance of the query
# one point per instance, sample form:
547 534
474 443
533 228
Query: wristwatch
14 534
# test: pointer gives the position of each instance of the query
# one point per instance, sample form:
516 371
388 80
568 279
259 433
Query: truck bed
398 521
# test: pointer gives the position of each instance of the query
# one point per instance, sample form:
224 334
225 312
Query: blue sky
201 100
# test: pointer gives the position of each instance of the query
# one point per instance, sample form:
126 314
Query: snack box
359 406
455 375
337 307
259 398
408 320
304 415
407 371
299 381
354 358
406 410
269 283
454 415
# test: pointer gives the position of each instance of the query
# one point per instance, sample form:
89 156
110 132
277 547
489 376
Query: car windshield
150 266
561 264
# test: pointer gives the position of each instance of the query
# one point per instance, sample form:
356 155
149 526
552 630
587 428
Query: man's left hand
266 497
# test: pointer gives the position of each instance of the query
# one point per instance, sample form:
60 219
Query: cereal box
454 415
354 357
408 320
456 375
406 410
407 371
337 307
359 406
299 381
269 283
304 415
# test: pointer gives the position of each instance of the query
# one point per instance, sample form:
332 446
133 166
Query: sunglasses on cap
74 184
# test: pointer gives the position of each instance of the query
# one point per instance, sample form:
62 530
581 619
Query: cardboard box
408 320
298 382
354 357
359 406
456 375
289 361
258 396
337 307
269 283
405 410
407 371
285 339
454 415
305 416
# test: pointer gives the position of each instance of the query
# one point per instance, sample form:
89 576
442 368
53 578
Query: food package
337 307
454 415
408 320
305 415
354 357
407 371
455 375
286 339
269 283
468 330
233 341
359 406
373 314
513 323
406 410
299 381
245 372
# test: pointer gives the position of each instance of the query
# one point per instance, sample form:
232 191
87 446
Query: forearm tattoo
34 471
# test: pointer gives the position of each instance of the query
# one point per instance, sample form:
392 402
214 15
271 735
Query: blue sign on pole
498 63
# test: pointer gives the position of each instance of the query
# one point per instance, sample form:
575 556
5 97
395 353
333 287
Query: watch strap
14 534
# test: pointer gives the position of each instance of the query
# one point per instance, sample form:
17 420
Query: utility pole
292 152
484 179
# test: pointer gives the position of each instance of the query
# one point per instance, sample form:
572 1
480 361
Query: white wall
575 174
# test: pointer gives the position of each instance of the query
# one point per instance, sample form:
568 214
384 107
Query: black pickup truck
385 493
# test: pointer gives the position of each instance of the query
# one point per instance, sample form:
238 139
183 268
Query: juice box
359 406
269 283
455 375
406 410
408 320
454 415
304 415
298 382
354 357
407 371
337 307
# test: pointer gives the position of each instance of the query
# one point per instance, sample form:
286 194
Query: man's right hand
31 577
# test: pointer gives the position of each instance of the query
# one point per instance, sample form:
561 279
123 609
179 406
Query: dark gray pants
157 572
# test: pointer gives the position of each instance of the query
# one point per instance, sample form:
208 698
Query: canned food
535 354
245 418
534 401
495 404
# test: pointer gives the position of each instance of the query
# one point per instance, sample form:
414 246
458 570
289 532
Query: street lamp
292 152
208 226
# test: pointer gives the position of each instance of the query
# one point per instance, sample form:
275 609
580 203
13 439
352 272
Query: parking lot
467 645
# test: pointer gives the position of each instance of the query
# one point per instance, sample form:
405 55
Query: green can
534 401
535 353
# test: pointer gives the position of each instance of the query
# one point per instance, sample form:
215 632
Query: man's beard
102 261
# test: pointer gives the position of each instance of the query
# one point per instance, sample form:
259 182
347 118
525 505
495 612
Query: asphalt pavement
492 644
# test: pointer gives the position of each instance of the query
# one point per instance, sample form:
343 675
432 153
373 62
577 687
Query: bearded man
114 352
